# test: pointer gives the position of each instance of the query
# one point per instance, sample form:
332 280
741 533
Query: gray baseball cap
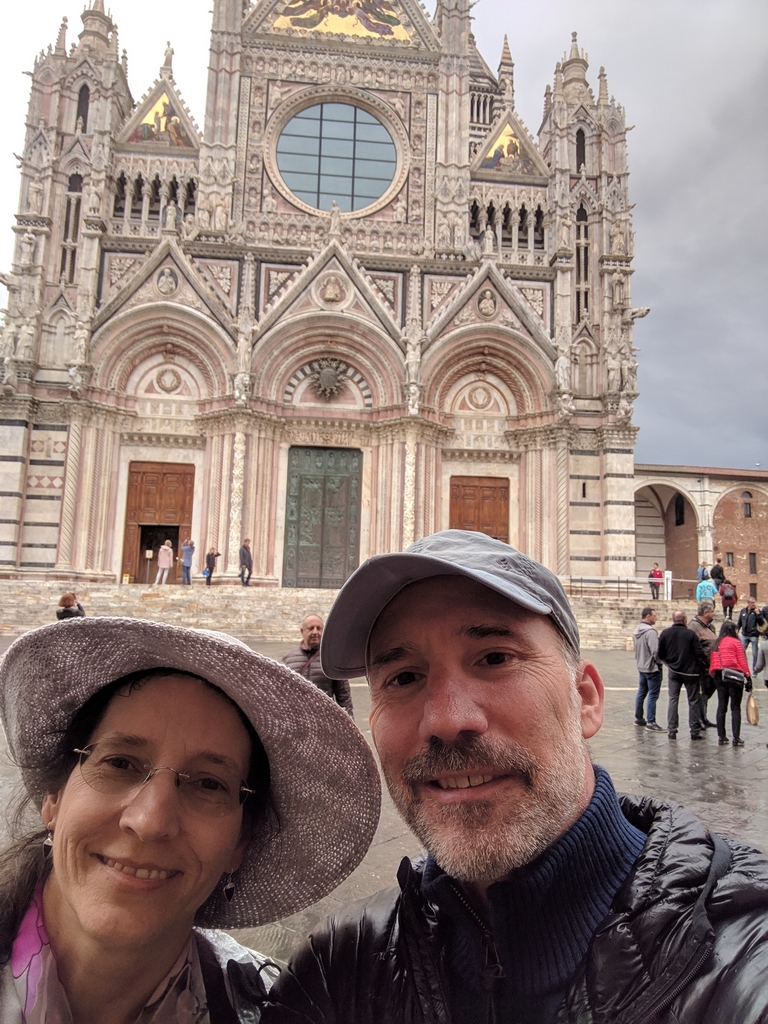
451 553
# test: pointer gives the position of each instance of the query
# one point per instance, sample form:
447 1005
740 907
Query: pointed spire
61 40
506 74
98 6
558 90
547 100
602 98
575 73
124 62
574 54
114 46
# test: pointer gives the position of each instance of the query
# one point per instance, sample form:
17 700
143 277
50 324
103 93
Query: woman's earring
48 844
229 889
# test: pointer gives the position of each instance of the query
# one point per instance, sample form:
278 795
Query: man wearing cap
544 898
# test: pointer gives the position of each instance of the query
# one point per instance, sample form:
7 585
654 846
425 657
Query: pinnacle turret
506 74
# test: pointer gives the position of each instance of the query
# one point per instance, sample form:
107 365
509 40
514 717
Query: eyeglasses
108 769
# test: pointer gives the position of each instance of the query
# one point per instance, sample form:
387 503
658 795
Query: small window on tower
581 149
753 563
729 559
583 490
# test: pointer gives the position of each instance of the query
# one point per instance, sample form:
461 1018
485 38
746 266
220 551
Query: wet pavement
725 786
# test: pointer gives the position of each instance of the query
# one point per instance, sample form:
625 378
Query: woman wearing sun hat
178 778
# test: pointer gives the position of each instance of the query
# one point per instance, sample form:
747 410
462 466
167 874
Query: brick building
689 514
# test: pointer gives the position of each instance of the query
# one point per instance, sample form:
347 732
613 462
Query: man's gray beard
467 839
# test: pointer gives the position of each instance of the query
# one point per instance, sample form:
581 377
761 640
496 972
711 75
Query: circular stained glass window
336 151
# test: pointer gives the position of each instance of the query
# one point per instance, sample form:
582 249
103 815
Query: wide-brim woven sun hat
324 782
475 556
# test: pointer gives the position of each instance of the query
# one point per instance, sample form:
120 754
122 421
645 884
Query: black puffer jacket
686 942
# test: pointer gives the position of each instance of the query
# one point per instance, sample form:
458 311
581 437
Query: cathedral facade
361 305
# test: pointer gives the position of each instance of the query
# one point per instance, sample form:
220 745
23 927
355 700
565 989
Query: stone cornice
164 440
479 455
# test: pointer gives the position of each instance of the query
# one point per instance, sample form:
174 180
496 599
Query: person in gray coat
305 659
646 641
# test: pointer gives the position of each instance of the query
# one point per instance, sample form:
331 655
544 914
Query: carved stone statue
221 214
565 231
27 249
242 388
618 239
612 369
94 202
334 231
170 216
82 346
630 376
399 211
244 344
489 242
7 341
413 357
563 368
10 378
624 411
35 195
76 381
617 290
564 406
268 201
487 305
412 395
26 345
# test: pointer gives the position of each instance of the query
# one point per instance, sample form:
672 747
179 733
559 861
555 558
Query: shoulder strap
308 662
220 1010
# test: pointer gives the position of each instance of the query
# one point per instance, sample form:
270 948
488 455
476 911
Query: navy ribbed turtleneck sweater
540 920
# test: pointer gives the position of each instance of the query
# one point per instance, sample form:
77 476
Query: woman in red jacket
728 653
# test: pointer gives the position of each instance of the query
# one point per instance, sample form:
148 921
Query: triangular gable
503 306
77 148
508 154
223 277
60 304
583 115
331 281
389 22
181 285
161 122
83 69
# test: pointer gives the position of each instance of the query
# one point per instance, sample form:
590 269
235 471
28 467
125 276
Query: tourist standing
683 654
246 562
728 664
706 590
702 626
655 576
69 608
164 561
646 641
717 573
187 553
747 626
210 564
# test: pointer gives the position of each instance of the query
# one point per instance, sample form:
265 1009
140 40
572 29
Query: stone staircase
272 614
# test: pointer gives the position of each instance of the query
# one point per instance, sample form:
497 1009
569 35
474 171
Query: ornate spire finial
507 73
602 98
574 46
98 6
61 41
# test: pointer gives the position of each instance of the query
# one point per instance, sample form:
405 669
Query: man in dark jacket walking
683 654
544 898
305 659
246 562
747 626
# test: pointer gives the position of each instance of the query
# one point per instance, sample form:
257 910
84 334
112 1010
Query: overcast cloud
691 75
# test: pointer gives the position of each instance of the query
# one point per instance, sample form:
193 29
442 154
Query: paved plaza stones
725 786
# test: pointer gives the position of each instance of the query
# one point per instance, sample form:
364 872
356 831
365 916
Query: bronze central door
322 516
480 503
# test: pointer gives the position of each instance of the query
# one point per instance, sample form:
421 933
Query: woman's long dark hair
728 628
23 864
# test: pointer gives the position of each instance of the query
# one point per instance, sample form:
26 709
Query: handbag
733 675
753 712
206 572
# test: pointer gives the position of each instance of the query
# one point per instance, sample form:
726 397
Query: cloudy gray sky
691 75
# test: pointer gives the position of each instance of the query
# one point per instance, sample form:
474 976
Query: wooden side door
159 493
480 503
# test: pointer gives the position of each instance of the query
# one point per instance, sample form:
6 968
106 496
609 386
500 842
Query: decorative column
409 488
69 498
563 537
236 503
